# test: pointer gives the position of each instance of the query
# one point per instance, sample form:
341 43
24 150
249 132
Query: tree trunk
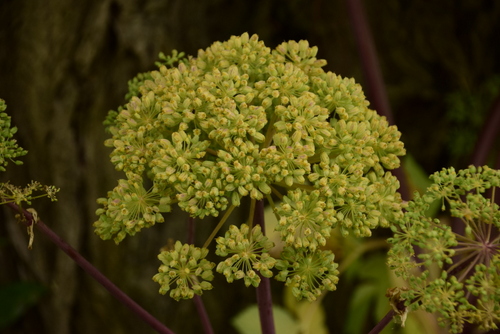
64 65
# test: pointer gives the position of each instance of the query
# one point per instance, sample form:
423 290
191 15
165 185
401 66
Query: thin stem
488 233
369 59
94 272
276 192
400 306
470 267
251 215
459 265
373 75
191 227
211 151
218 227
273 206
384 322
198 302
270 132
202 313
488 134
264 299
295 186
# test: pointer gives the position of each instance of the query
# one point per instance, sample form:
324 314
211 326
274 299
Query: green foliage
242 121
16 298
466 113
368 300
455 275
247 321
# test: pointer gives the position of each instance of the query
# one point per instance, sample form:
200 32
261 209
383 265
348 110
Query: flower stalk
264 297
93 272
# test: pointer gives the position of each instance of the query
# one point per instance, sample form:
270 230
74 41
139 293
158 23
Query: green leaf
16 298
247 321
368 301
418 180
359 308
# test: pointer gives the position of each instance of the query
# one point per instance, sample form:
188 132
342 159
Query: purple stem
382 323
388 317
190 236
264 299
198 302
489 133
483 147
202 313
94 272
369 60
378 96
373 75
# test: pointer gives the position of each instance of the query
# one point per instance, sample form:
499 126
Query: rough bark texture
64 64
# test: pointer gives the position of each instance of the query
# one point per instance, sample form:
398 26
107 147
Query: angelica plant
241 121
11 151
13 194
456 275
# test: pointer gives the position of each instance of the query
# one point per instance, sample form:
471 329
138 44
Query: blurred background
65 64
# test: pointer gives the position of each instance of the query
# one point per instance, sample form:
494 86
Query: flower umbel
250 254
307 272
186 268
467 264
9 149
243 122
130 208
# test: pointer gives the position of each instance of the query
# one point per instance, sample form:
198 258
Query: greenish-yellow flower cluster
250 251
454 274
9 149
186 268
243 121
308 272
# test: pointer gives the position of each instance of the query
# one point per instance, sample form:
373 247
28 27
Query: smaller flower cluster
129 208
307 272
186 268
19 195
9 149
250 254
454 274
305 220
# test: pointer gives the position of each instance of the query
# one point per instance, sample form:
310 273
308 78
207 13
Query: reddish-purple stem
94 272
191 229
202 313
264 299
198 302
369 60
382 323
373 75
377 93
488 134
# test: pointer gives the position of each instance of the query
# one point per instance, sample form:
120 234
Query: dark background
64 64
